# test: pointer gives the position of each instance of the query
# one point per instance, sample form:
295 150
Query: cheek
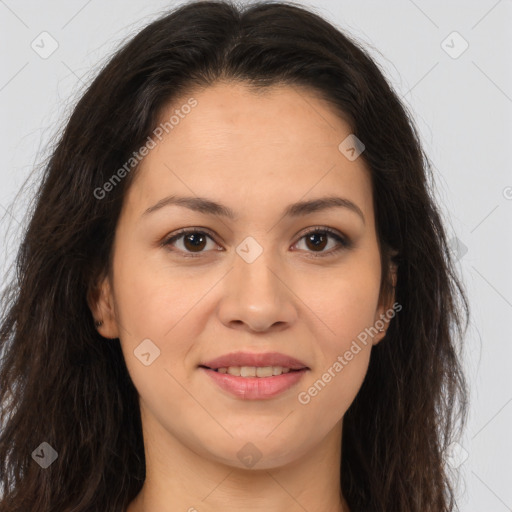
154 313
347 306
152 310
346 303
329 393
152 296
333 385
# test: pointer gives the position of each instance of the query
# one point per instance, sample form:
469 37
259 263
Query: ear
385 311
101 303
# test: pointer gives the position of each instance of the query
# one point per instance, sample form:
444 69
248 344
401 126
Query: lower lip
255 388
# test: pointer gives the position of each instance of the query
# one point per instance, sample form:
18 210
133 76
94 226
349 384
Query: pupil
320 245
190 239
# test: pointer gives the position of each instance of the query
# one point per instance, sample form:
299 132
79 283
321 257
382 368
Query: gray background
462 105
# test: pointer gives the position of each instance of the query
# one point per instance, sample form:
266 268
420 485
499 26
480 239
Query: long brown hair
63 384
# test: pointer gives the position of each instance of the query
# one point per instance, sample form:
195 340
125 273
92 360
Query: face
260 281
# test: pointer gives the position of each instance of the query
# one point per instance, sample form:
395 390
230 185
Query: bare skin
255 154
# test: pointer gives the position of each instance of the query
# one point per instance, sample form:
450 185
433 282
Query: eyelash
344 242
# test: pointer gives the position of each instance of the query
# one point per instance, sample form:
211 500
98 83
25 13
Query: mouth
254 371
253 376
250 364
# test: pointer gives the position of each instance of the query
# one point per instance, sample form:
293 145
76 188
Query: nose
257 297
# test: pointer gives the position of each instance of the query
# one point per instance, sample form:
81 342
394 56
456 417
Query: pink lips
255 388
251 359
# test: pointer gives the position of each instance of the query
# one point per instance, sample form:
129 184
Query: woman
235 290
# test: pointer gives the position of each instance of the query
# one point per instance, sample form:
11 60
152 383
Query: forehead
233 116
271 146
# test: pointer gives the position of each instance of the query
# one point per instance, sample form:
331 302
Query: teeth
254 371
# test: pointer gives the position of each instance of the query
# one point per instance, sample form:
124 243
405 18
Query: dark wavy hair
61 382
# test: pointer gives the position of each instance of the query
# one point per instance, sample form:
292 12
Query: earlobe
383 316
381 324
101 303
382 329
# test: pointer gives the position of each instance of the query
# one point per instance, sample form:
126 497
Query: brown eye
194 241
317 240
189 241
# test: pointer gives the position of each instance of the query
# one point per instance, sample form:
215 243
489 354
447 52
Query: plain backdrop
450 63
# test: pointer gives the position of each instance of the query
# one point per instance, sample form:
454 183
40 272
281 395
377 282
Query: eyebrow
210 207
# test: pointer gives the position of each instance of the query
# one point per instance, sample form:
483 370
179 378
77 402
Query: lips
254 388
257 360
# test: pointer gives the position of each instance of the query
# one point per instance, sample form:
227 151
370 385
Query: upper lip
252 359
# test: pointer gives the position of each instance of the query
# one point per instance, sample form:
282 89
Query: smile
254 383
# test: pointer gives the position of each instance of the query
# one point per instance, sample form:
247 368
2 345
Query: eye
194 241
318 239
